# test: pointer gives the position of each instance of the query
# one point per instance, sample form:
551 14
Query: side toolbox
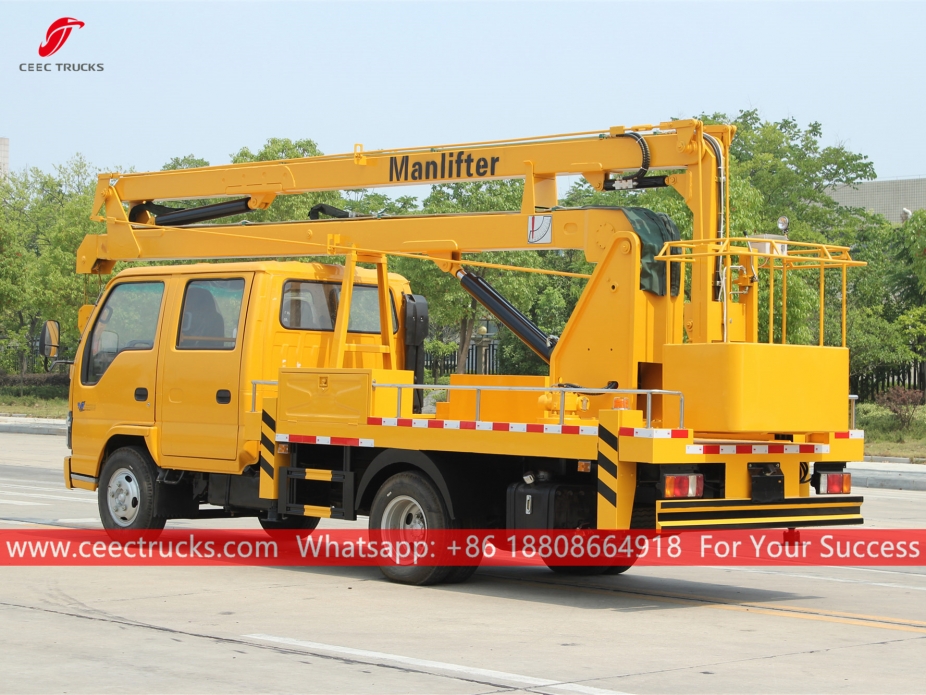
550 505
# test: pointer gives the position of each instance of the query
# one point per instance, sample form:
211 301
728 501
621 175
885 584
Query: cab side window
313 306
209 319
127 321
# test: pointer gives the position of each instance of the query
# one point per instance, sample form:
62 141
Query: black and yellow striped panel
607 477
804 511
267 452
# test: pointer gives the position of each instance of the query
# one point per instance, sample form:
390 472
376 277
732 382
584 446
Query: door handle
141 394
223 396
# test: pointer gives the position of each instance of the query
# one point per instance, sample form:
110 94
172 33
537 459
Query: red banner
79 547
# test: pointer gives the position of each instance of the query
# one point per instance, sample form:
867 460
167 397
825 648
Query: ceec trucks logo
57 35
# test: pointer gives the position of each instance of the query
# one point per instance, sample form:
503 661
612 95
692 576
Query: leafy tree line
777 168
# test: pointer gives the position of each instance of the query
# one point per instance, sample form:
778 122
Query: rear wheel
642 517
125 495
294 523
409 502
579 571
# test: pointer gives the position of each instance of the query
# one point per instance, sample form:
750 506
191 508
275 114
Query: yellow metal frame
783 256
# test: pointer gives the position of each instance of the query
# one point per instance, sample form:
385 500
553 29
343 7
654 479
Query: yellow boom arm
693 155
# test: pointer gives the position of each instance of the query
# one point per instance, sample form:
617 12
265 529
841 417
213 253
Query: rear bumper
740 513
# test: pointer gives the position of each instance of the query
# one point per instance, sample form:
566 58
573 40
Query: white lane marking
439 665
24 504
48 497
824 579
92 520
870 569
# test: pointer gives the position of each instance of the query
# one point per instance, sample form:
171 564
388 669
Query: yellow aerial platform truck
291 391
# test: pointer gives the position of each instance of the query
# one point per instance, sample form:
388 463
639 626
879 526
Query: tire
642 517
125 495
295 523
579 571
460 574
410 500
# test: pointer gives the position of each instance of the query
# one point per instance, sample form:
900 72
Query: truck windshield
127 321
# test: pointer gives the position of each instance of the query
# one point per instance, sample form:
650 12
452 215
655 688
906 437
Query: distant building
888 197
4 157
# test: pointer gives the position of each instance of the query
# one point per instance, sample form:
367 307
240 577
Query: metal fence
870 384
486 363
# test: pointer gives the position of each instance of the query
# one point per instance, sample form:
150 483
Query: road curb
54 427
888 480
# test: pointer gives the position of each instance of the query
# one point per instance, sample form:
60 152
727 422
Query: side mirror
109 342
48 342
83 316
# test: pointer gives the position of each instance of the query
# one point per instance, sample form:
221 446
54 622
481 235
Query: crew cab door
114 378
201 367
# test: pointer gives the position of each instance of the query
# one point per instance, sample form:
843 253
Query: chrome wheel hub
123 497
404 512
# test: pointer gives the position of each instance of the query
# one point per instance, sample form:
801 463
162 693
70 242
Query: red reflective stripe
806 448
344 441
467 424
404 422
776 448
436 424
712 448
842 435
374 421
301 439
500 426
679 434
744 448
625 432
535 428
570 429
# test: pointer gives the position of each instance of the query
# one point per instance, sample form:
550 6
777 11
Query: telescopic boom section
689 156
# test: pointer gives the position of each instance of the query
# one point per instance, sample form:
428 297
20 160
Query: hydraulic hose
639 179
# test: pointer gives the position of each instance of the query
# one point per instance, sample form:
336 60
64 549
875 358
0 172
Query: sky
210 78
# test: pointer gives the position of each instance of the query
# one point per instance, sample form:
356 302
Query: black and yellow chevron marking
607 467
267 453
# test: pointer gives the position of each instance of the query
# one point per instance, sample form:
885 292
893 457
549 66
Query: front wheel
409 502
125 494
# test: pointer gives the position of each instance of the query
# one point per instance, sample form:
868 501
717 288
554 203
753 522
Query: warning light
683 485
834 483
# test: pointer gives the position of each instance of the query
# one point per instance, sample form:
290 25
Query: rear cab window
312 305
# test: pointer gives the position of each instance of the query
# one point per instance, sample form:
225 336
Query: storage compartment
550 505
756 387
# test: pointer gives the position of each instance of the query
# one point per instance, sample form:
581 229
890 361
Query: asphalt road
347 630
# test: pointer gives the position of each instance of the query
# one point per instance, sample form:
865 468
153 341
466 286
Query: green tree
43 219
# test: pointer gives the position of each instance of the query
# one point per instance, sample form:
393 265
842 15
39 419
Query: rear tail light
834 483
689 485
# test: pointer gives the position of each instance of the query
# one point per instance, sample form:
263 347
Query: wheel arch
129 435
391 461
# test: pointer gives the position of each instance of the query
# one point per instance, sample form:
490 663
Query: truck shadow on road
631 592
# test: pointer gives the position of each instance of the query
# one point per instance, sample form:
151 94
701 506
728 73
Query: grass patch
883 436
43 400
